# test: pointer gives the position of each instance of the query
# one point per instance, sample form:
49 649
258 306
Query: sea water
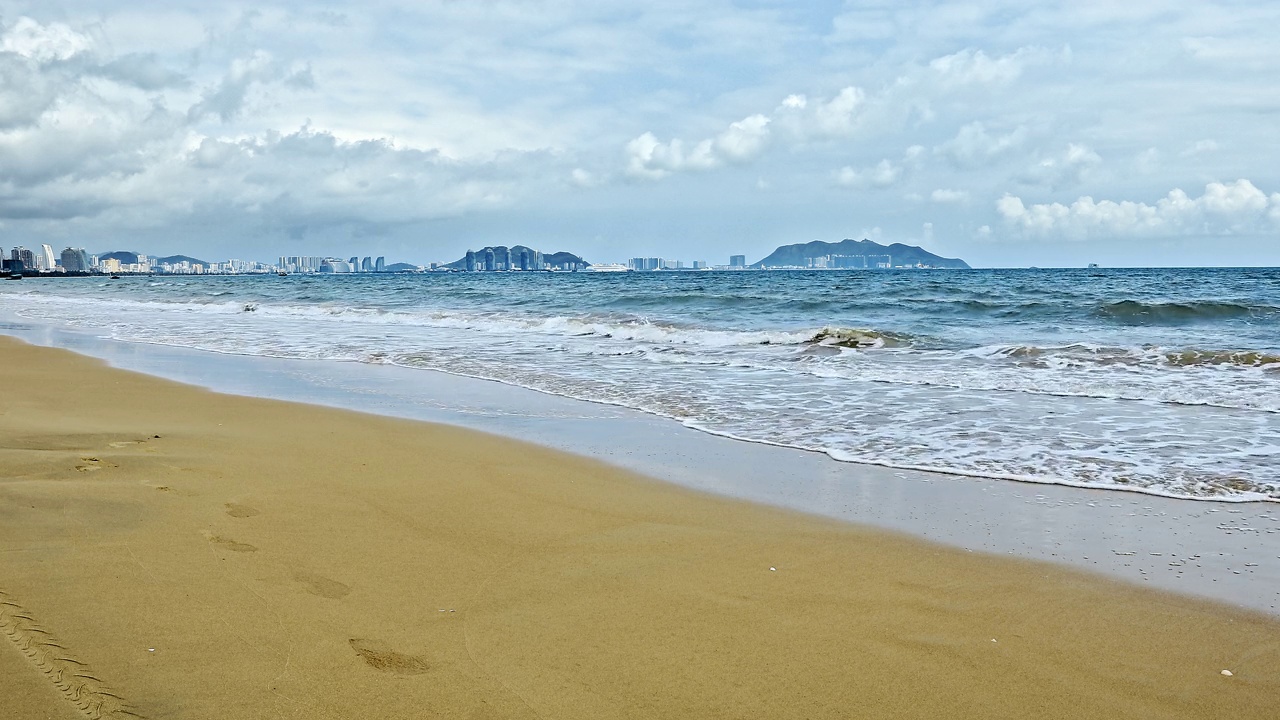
1164 381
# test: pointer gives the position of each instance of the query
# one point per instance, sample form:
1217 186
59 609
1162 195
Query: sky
1005 133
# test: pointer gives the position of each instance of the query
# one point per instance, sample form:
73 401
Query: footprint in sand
232 544
92 463
380 657
322 586
241 511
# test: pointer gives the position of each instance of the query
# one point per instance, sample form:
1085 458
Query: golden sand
175 553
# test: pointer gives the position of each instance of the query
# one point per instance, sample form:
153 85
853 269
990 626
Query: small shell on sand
1227 673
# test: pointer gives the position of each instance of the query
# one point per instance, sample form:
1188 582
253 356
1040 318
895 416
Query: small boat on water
115 277
13 276
282 274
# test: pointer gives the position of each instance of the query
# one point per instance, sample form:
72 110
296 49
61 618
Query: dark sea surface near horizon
1164 381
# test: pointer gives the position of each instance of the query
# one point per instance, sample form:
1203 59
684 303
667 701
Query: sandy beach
168 552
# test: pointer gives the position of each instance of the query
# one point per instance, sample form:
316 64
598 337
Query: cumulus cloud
1067 168
839 116
971 66
1147 161
144 71
1223 208
24 94
648 157
944 195
43 43
882 175
974 147
227 98
122 140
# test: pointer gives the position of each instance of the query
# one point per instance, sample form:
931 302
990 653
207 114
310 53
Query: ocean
1162 381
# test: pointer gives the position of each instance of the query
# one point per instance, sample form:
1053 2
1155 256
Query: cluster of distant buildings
649 264
851 262
325 264
77 261
43 260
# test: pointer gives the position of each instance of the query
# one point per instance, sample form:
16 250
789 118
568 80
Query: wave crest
1140 313
860 338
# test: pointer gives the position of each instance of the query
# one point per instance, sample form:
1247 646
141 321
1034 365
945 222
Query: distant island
855 254
517 257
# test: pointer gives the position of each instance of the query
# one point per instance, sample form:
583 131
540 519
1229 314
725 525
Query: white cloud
973 147
43 43
228 97
744 138
974 66
1147 161
647 157
805 119
1223 208
1069 167
943 195
882 175
795 102
839 115
1199 147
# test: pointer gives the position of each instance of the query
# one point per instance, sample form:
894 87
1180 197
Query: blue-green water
1165 381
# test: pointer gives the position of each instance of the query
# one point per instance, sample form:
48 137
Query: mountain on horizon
124 256
127 257
175 259
799 254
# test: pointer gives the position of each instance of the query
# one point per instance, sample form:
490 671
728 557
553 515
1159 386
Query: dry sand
261 559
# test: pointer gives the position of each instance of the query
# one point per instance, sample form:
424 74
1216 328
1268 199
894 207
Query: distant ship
608 267
283 274
1093 266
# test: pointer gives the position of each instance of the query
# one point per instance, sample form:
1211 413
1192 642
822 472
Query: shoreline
1202 549
197 554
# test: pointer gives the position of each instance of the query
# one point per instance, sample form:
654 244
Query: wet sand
267 559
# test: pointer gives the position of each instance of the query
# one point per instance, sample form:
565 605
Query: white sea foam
1199 424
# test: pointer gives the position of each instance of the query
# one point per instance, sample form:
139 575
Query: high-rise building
46 259
470 262
490 260
503 258
334 265
25 258
366 265
354 262
738 261
380 265
301 263
75 260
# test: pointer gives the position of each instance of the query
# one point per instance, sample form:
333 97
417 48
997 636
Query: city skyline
1011 135
78 260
